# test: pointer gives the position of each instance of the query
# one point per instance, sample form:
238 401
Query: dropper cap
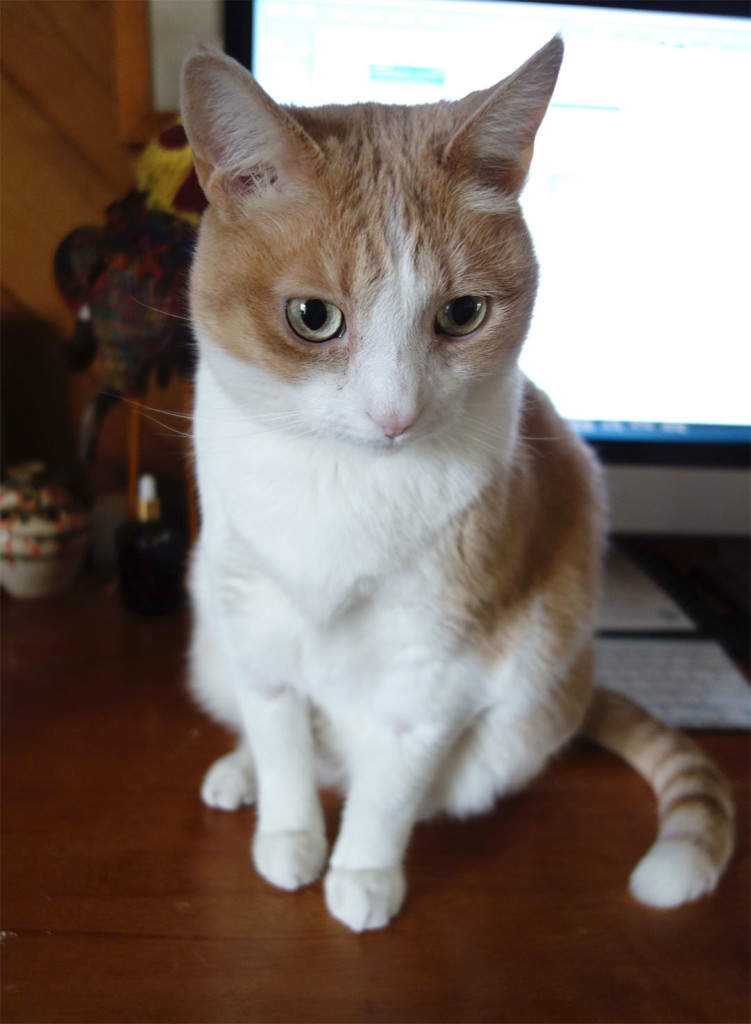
148 499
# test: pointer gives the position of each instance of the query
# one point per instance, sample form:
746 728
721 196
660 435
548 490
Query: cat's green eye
314 319
461 316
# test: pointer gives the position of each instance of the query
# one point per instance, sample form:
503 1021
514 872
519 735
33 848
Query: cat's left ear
244 144
497 126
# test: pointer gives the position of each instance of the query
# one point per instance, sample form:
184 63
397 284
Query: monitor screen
637 200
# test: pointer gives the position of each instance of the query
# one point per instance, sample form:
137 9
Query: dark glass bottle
151 555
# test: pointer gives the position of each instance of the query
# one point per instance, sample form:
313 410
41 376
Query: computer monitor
638 201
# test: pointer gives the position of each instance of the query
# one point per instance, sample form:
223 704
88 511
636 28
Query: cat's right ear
243 143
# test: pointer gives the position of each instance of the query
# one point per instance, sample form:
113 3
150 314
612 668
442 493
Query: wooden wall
62 164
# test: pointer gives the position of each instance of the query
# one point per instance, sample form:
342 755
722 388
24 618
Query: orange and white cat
398 561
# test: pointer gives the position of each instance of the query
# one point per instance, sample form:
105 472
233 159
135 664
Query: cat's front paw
230 782
289 860
364 899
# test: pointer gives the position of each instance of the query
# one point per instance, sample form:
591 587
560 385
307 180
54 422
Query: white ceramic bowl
43 536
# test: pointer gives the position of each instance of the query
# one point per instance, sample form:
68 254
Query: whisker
458 252
134 403
166 427
272 418
155 309
491 247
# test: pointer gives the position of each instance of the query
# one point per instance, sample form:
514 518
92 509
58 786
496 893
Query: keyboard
687 682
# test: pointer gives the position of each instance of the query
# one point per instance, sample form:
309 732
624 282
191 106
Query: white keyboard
691 684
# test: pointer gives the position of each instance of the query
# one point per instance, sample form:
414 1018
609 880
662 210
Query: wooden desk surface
125 899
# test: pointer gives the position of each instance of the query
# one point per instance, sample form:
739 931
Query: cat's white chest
327 522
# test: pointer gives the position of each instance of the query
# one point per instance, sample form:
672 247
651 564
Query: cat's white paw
674 871
364 899
230 782
289 860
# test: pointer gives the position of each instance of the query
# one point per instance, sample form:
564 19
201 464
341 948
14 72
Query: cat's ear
243 142
497 126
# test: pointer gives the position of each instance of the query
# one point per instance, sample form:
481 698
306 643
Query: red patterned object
126 281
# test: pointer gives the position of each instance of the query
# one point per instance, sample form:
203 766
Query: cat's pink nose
394 425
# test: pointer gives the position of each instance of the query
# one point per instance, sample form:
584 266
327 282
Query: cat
398 563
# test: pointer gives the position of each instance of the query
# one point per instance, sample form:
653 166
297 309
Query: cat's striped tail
695 808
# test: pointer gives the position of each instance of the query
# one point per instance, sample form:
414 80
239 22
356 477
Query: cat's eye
461 316
314 319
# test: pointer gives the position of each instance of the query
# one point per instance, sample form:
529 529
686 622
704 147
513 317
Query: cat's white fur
313 585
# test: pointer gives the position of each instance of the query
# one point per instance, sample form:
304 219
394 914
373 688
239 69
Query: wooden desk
125 899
